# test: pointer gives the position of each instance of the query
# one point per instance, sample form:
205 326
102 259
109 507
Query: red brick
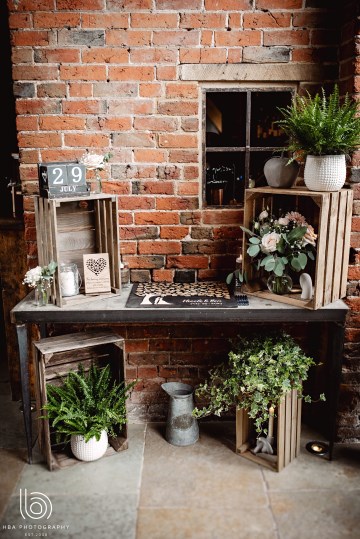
153 55
104 20
191 172
80 89
156 187
48 19
84 107
238 38
155 123
51 89
19 20
174 232
61 123
128 38
134 140
176 37
188 189
150 156
213 55
178 141
105 55
30 39
353 303
179 89
163 275
202 20
178 4
286 37
27 123
266 20
150 89
159 247
157 218
352 335
224 217
176 108
279 4
228 5
24 73
355 240
190 124
354 273
154 20
39 140
130 106
355 224
166 73
83 72
137 203
176 203
117 188
187 261
183 156
132 73
147 372
128 247
115 124
87 140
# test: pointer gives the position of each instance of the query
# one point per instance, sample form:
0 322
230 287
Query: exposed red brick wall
104 75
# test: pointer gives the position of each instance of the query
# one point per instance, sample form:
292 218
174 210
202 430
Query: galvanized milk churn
181 427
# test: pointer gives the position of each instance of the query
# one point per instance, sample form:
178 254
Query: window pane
264 114
225 119
225 173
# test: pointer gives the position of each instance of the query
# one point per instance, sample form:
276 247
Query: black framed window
240 134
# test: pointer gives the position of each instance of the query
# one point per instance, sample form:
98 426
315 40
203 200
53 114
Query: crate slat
330 215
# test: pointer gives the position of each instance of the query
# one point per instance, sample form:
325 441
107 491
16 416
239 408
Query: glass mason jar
70 280
42 292
279 284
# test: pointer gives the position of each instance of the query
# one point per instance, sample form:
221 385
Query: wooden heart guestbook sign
96 273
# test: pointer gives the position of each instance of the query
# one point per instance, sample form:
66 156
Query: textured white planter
325 172
91 450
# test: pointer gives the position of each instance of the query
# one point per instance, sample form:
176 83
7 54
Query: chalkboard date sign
64 179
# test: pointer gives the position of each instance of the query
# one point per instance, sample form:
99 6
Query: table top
114 309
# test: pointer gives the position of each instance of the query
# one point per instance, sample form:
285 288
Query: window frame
247 149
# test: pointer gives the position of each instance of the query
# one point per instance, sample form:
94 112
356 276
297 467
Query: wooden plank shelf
330 215
55 357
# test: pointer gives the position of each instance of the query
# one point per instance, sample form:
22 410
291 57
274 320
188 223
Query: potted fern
324 130
257 375
86 409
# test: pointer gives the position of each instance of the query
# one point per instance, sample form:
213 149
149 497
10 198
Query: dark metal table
113 310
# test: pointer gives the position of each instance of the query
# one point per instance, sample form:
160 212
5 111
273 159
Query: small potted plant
86 409
323 130
257 375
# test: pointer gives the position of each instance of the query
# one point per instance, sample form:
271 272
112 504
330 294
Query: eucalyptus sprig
258 373
87 403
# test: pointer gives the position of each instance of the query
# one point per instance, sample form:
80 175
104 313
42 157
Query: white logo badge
35 505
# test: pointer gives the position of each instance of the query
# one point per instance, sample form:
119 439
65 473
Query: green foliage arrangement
258 373
87 403
277 243
321 125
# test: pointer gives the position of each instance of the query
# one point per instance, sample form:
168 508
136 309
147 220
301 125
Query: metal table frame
113 310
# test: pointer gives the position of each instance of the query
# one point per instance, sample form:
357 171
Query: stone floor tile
320 514
214 523
12 463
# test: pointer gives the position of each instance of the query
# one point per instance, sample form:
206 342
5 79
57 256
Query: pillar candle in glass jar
69 279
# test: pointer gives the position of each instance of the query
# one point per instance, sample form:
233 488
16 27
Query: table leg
22 336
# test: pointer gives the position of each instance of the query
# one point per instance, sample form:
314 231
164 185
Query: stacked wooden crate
330 215
54 358
68 228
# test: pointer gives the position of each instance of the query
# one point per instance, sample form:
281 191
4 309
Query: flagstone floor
154 490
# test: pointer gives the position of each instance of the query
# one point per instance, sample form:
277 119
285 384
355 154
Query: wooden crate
287 430
54 358
330 215
68 228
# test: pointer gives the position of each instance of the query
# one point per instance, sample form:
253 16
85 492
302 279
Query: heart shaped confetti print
96 266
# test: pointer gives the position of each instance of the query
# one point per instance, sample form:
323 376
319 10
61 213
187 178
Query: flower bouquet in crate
279 245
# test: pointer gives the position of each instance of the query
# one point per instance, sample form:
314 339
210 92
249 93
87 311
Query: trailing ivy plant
321 125
87 403
258 373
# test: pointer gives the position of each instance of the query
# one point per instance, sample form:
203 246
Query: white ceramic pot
325 172
91 450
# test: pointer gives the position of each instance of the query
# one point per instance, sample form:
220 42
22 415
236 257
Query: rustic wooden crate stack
54 358
287 434
68 228
330 215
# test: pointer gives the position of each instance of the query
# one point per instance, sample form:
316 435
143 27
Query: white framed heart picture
96 273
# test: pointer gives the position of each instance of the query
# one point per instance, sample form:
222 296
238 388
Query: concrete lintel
260 72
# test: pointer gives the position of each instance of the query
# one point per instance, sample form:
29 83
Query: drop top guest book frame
68 228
